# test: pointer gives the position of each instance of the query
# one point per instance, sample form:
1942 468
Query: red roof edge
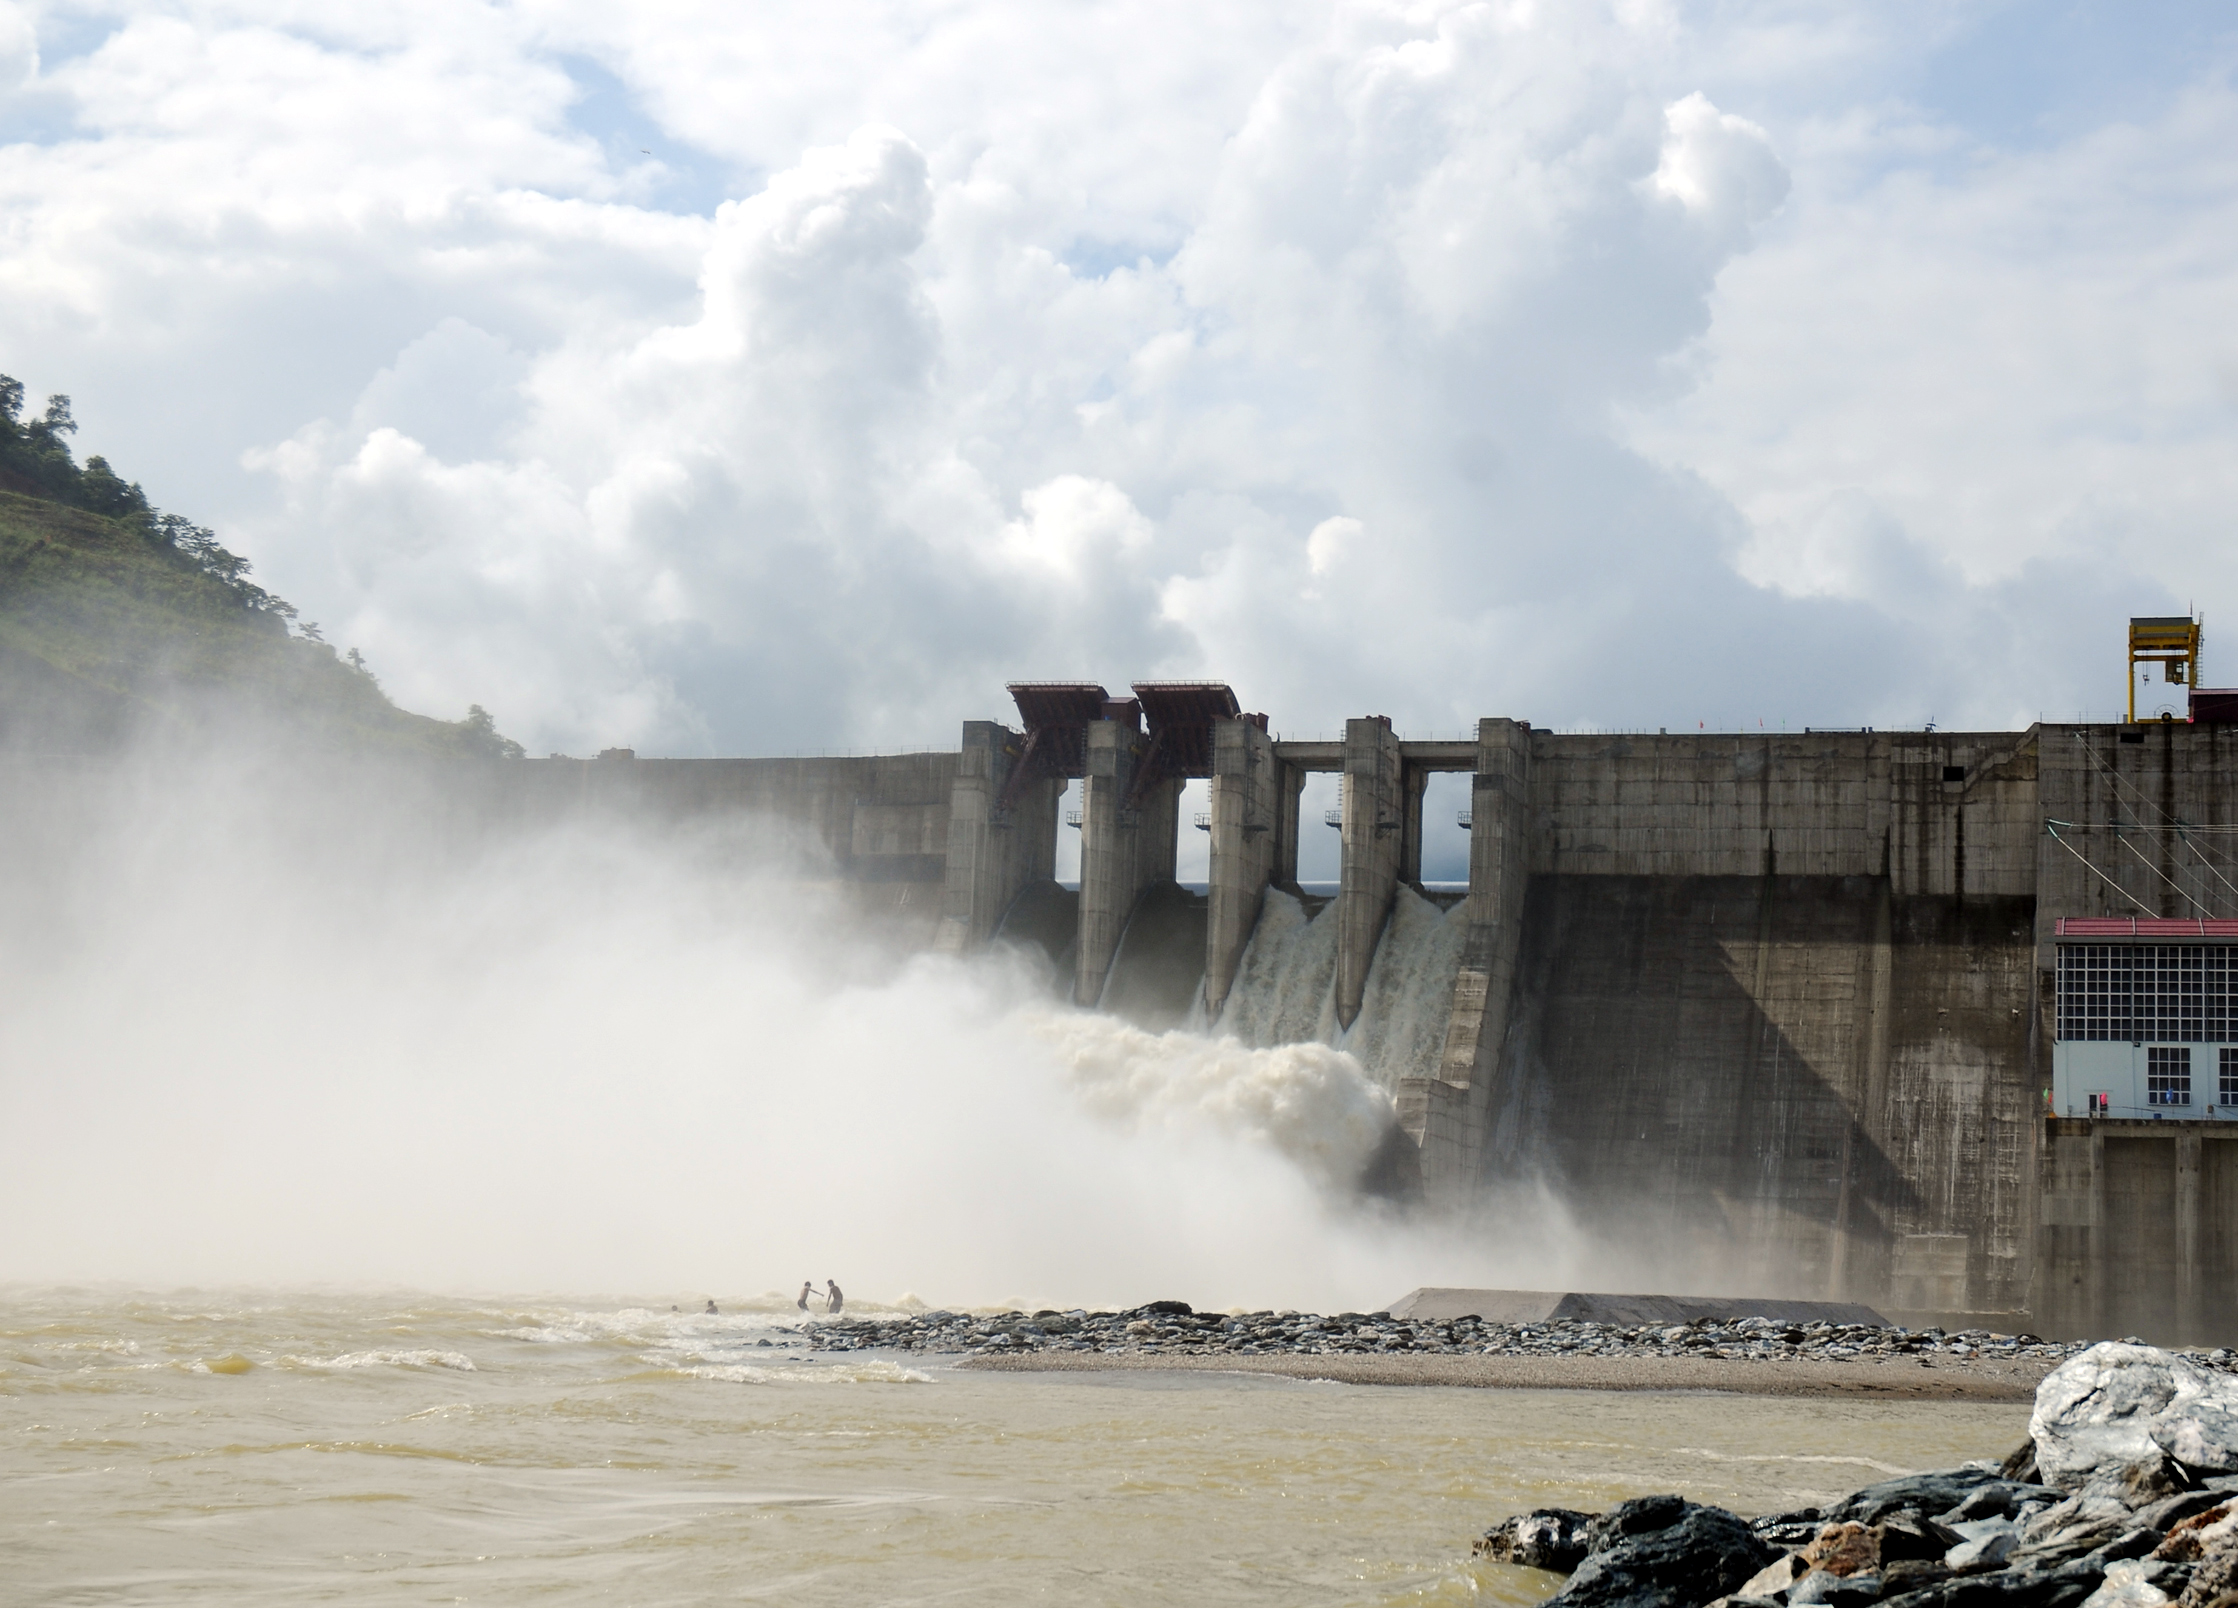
2141 927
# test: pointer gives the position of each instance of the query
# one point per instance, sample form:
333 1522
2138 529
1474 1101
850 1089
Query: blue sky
709 380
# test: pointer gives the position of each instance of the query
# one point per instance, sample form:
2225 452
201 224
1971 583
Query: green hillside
118 621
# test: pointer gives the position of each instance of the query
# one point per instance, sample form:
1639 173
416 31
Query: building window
2229 1078
2138 992
2168 1075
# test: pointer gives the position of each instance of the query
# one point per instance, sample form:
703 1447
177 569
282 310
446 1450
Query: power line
2164 876
2093 870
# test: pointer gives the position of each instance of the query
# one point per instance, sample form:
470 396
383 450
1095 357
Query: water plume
1285 988
274 1022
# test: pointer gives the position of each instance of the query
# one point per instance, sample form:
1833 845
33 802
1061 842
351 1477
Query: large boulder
2009 1589
2128 1584
1925 1494
1664 1552
1544 1538
2119 1405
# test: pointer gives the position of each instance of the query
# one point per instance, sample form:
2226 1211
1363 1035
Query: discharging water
1285 987
215 1447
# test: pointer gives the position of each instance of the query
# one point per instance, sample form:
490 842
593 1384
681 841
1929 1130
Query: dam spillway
1790 1001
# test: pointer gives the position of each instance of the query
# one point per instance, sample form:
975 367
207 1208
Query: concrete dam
1940 1022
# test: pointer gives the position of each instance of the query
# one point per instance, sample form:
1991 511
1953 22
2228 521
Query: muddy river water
265 1449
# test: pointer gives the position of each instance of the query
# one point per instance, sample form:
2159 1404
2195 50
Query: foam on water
852 1373
425 1358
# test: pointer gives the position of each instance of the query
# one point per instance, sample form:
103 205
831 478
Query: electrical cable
2183 830
2093 870
2164 876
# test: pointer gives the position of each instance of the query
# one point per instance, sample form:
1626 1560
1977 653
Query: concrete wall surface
1784 1083
2139 1231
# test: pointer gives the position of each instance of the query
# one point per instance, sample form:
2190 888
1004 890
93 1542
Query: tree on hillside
35 458
482 736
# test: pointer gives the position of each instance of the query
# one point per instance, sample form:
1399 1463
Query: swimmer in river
834 1301
711 1309
805 1286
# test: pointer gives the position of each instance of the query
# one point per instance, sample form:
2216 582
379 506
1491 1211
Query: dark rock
2172 1578
1643 1515
2009 1589
1924 1494
1791 1537
1836 1591
2134 1542
2020 1463
2214 1580
1906 1535
1664 1552
1793 1530
2171 1511
1911 1574
1990 1543
1544 1538
1170 1309
2188 1539
2151 1480
2080 1524
2001 1499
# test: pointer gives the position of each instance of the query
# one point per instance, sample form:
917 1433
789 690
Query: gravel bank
1757 1355
1987 1381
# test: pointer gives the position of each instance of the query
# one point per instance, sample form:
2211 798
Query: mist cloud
273 1025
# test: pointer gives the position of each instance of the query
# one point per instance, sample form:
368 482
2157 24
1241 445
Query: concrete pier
1247 811
992 854
1445 1114
1373 833
1127 840
1289 783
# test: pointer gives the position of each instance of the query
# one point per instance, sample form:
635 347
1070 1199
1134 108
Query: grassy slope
103 637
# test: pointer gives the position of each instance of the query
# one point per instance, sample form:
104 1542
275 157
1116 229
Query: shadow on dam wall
1159 967
1793 1085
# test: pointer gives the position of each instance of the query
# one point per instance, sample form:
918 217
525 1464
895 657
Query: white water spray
1285 988
254 1037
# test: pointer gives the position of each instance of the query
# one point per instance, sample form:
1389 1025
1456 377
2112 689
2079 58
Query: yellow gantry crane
2168 640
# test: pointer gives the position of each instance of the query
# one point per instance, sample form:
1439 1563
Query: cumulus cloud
1365 357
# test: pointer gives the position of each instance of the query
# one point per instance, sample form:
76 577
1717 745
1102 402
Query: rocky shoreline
1172 1329
2124 1496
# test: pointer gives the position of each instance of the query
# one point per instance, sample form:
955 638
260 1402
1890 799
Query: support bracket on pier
1181 716
1056 716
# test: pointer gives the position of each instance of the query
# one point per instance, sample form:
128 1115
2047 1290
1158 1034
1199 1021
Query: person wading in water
834 1301
805 1286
